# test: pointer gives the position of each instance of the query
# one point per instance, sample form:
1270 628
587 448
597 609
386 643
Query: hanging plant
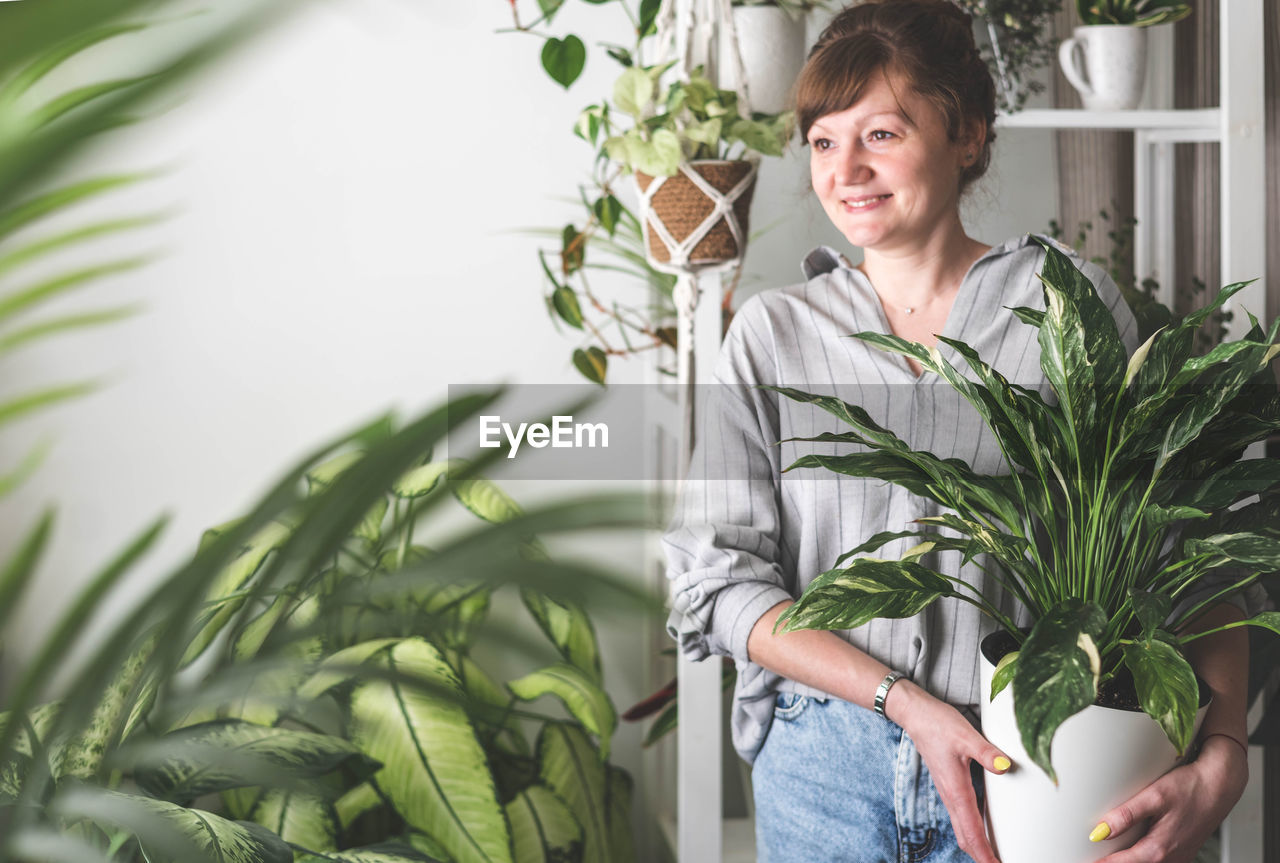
564 56
687 121
1020 41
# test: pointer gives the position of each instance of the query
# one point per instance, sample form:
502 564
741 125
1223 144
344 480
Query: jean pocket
790 705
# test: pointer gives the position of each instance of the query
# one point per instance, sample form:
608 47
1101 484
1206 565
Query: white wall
351 190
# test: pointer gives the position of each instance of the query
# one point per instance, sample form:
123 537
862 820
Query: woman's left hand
1184 806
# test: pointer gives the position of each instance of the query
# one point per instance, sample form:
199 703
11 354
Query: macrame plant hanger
686 34
687 31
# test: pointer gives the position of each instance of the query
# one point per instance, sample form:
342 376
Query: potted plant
769 36
325 662
1018 43
1117 506
690 150
1106 57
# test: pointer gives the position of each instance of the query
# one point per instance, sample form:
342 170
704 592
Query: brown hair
927 42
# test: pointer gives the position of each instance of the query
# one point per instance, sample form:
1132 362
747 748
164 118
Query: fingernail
1002 764
1102 831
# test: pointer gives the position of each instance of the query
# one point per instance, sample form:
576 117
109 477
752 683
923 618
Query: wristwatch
882 692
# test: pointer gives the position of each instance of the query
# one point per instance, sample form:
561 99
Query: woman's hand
1185 806
947 743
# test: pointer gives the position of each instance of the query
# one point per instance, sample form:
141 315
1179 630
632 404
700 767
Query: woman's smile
866 202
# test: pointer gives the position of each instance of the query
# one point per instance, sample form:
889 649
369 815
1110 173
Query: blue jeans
836 782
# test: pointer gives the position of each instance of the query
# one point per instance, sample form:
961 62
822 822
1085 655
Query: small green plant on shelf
1019 41
1134 13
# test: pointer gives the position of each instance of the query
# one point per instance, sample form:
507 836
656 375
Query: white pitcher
1107 64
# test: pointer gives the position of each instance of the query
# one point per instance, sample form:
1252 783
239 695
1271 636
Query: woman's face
884 170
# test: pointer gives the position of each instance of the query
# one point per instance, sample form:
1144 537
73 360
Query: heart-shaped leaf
563 59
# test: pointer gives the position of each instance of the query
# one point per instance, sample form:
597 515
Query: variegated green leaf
457 610
168 832
581 696
1031 317
863 591
128 693
1157 516
622 846
1006 668
341 666
569 629
1066 366
1011 550
424 844
543 830
355 803
485 499
298 818
221 598
867 428
1166 688
424 479
322 475
385 852
1267 620
435 770
571 767
1234 482
489 700
1056 674
215 756
1250 549
1151 609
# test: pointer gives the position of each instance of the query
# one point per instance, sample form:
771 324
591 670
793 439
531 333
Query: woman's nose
854 168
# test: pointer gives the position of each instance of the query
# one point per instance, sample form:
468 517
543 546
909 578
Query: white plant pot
772 45
1103 756
1107 64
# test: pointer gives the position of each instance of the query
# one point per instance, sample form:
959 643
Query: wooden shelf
1199 124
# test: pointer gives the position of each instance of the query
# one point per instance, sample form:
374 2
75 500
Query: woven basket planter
698 218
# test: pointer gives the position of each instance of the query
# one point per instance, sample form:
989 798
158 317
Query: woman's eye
820 144
881 135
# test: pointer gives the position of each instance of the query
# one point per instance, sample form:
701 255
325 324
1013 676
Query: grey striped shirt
746 536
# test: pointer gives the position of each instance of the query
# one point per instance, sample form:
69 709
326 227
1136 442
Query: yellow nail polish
1002 764
1102 831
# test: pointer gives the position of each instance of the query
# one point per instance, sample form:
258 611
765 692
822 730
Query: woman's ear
974 139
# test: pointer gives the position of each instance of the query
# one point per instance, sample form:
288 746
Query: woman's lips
865 202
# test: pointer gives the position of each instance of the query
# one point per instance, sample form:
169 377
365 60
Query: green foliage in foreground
305 688
1117 505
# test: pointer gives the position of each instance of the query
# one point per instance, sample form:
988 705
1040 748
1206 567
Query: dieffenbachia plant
1117 506
314 685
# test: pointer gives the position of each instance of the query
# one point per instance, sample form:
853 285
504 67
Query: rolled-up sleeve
722 547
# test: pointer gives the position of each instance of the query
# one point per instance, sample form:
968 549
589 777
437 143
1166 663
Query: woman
897 109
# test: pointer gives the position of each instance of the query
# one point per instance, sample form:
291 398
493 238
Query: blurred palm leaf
41 133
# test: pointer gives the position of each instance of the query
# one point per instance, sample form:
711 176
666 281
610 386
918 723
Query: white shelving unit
1237 124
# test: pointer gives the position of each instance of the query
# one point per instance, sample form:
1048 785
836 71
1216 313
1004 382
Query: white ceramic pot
1103 756
772 45
1107 64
